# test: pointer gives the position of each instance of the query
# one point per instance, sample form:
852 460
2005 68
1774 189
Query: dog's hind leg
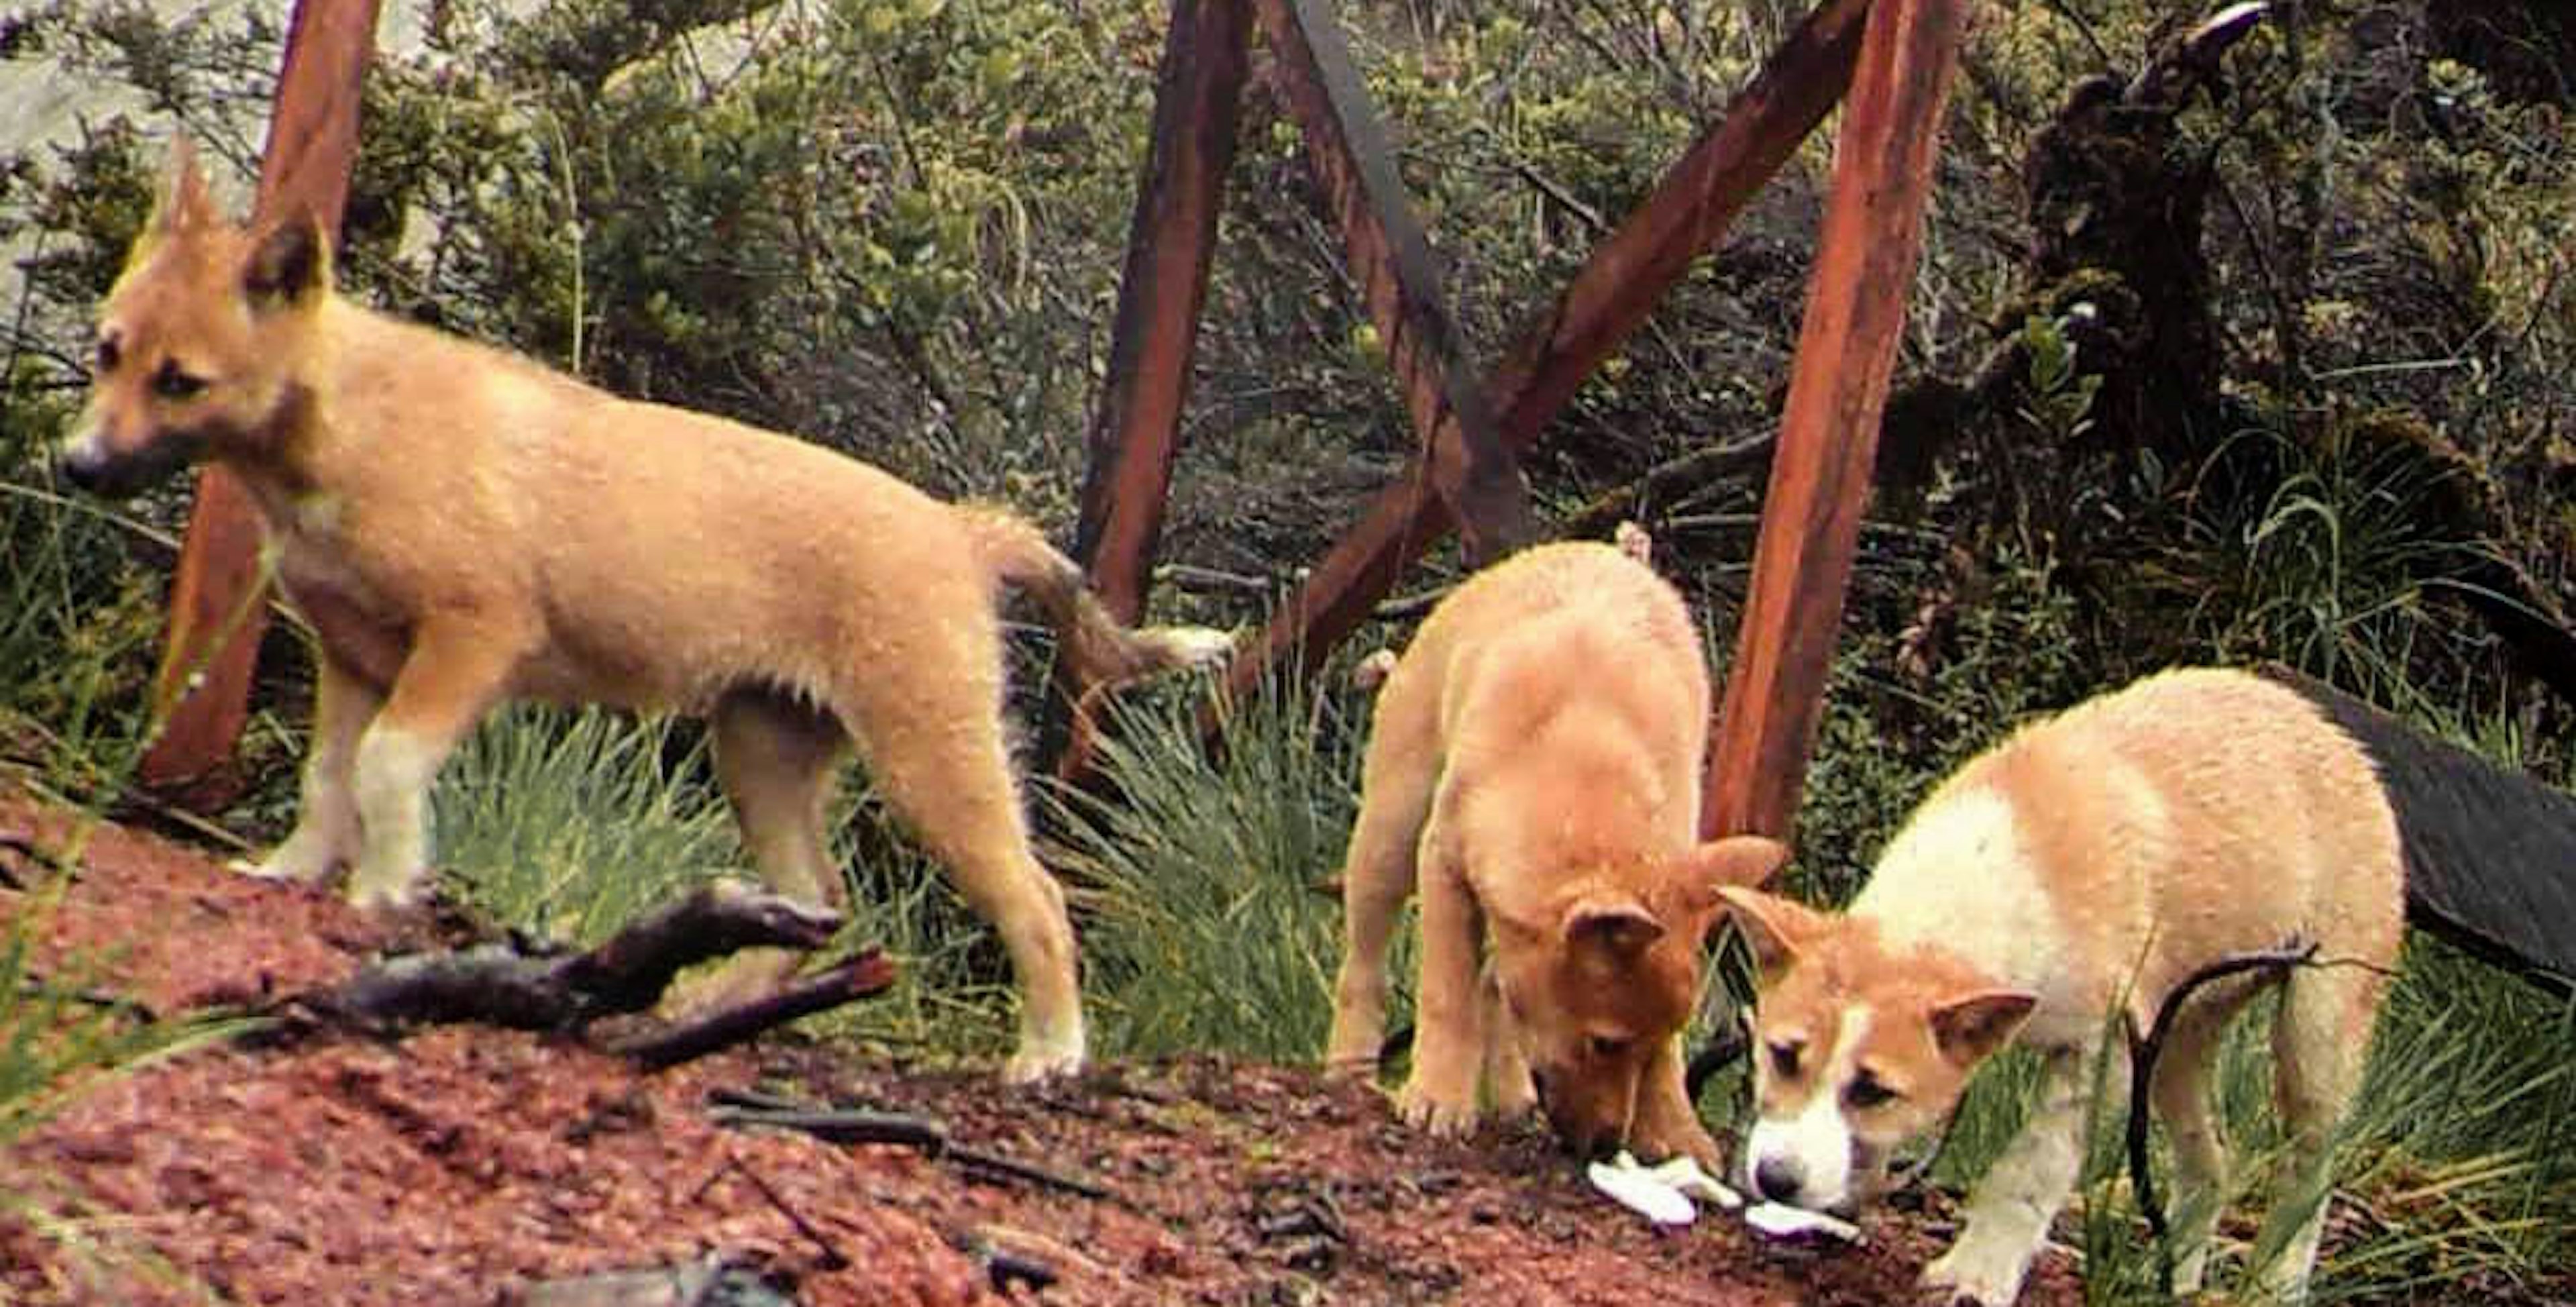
1377 877
931 733
327 832
777 760
2181 1097
2320 1044
451 678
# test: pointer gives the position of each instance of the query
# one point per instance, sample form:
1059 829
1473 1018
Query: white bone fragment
1683 1175
1640 1191
1781 1221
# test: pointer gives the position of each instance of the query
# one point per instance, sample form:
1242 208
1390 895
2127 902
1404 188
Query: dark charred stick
842 1126
851 1126
24 845
492 984
869 973
2142 1070
630 970
517 986
977 1159
35 985
1006 1268
832 1260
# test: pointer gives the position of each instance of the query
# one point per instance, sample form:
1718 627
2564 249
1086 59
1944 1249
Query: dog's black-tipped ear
1973 1027
1773 927
1619 926
184 203
289 264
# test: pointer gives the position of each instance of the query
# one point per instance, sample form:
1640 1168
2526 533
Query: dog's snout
1779 1180
82 466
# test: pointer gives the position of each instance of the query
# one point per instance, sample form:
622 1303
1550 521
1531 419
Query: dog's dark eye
1784 1058
1608 1046
107 354
172 383
1868 1091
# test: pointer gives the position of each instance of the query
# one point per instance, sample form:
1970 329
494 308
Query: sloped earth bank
463 1165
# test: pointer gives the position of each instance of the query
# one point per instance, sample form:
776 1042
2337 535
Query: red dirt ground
460 1165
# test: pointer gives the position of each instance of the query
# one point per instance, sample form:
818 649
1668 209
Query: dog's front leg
1666 1123
451 678
2010 1208
1448 1019
327 832
1507 1068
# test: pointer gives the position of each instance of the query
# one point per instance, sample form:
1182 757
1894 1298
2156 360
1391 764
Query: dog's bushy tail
1103 650
2490 853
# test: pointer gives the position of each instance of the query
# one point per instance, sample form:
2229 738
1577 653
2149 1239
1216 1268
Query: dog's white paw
1032 1066
1966 1275
384 896
1196 646
299 861
1437 1115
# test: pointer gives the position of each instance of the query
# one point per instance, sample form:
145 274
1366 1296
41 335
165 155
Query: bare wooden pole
1137 429
216 614
1136 433
1475 476
1688 212
1820 476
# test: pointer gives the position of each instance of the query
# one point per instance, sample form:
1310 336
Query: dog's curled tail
1104 651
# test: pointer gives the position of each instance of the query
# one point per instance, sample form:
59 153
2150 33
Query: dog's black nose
84 472
1778 1179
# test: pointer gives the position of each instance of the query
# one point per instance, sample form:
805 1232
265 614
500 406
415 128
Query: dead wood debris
869 973
748 1107
523 987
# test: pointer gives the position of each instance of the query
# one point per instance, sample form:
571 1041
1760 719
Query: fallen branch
851 1126
35 985
24 845
869 973
831 1258
513 986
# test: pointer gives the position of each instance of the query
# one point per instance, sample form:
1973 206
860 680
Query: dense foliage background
2281 368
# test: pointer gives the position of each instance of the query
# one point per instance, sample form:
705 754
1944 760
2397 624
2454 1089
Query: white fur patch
1815 1142
1958 876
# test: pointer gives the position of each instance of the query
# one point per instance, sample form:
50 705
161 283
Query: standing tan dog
464 527
1535 768
2075 874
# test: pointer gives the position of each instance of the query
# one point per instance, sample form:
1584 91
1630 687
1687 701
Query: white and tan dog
464 527
1534 768
2072 876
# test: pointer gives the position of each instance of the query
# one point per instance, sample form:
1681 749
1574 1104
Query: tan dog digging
1534 770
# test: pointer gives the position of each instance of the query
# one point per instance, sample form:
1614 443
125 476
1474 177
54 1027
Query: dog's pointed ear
184 204
289 264
1619 925
1775 928
1970 1028
1709 869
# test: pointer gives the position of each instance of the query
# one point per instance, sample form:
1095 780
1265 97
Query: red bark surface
461 1164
